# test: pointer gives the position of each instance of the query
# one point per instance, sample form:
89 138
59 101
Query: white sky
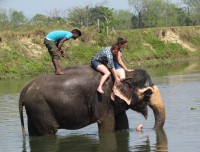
32 7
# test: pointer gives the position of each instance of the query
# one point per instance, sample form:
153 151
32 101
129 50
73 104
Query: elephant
71 101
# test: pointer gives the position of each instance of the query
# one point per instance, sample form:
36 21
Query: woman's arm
112 66
117 79
119 60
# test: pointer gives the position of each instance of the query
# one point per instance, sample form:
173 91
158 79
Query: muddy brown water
180 88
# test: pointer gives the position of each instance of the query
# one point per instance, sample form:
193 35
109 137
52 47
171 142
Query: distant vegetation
23 52
144 14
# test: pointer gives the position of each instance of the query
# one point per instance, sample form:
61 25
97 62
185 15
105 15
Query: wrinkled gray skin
70 101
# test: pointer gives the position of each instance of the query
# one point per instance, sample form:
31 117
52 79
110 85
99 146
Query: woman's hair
121 41
115 46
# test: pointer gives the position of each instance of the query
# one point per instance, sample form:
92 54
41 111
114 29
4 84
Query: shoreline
23 54
136 65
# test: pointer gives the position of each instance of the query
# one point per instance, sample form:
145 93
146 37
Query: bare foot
59 72
100 90
139 127
112 96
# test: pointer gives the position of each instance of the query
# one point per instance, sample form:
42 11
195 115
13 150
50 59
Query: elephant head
138 92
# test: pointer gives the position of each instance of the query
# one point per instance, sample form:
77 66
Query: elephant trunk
158 107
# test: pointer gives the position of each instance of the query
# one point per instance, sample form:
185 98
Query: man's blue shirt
59 35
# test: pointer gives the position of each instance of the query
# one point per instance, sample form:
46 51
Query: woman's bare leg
120 73
106 73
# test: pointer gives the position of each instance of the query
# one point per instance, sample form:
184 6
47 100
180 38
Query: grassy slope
144 47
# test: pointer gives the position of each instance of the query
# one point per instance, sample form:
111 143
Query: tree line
143 14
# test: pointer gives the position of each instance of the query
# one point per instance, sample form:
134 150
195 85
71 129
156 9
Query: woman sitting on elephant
119 64
103 61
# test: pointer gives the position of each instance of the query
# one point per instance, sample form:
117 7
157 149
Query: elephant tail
21 104
21 114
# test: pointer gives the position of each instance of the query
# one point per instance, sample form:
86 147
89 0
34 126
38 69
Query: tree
3 18
39 19
123 19
135 21
153 13
105 16
80 17
157 13
17 18
86 16
57 13
138 7
182 17
193 7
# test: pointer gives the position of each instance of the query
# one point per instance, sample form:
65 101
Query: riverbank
24 54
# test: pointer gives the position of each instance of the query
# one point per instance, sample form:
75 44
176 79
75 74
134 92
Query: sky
32 7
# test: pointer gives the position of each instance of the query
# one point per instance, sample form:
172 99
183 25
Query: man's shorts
52 48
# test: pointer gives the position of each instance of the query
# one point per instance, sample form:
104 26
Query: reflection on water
118 141
69 143
179 86
13 85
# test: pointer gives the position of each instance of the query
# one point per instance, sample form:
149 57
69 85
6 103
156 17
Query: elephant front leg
121 121
107 122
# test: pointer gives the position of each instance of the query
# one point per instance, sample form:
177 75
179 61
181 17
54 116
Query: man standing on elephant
54 42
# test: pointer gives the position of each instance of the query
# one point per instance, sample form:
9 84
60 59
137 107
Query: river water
180 88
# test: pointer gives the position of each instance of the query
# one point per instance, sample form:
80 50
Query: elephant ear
146 91
123 91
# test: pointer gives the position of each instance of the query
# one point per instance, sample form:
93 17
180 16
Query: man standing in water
54 42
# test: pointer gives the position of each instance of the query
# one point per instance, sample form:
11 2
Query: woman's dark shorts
117 65
95 63
52 48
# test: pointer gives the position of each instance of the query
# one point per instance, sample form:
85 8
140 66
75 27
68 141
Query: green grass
144 47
